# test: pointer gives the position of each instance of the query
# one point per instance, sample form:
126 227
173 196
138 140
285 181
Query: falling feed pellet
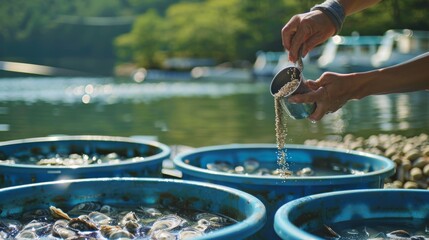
281 125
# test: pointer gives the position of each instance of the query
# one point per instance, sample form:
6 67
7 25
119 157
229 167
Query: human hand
306 30
330 92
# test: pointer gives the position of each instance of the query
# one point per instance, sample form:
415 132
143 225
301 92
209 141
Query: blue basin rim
164 153
251 224
179 162
286 229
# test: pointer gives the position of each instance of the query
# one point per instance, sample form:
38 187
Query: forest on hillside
96 35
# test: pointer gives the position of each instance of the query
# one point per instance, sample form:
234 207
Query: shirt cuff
335 12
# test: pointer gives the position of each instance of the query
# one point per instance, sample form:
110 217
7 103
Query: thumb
309 97
313 85
325 79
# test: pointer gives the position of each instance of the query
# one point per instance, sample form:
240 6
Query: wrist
335 12
361 85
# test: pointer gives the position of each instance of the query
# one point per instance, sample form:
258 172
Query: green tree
189 29
145 43
205 29
264 21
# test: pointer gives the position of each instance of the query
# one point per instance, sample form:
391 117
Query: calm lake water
187 113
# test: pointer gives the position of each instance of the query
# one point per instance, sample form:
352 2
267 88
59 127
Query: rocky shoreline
410 155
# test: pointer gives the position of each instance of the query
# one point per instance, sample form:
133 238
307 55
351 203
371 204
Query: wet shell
51 162
107 230
121 234
163 235
212 219
9 226
115 232
82 223
63 231
188 233
38 214
329 232
398 234
27 234
108 210
132 226
100 218
220 166
58 213
130 216
85 208
202 225
148 212
250 165
39 228
305 172
167 223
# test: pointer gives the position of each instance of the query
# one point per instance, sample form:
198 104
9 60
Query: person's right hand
330 92
306 30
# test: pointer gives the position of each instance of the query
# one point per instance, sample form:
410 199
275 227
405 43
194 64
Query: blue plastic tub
246 209
298 219
150 165
275 191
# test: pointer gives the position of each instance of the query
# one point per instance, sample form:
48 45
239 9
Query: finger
304 98
325 79
289 31
297 41
310 43
318 113
313 85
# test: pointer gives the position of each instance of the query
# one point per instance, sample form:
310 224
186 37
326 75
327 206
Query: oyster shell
99 218
84 208
58 213
167 223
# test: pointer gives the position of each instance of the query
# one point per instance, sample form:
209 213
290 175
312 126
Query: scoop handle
299 61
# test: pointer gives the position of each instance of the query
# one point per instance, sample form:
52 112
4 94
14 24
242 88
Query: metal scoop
287 74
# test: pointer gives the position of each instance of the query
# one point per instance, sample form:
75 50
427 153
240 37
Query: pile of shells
410 155
93 220
73 159
253 167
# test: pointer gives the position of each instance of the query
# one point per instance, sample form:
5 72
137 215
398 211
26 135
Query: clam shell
40 228
398 234
251 165
85 208
163 235
108 210
100 218
10 226
27 234
82 223
130 216
167 223
58 213
189 233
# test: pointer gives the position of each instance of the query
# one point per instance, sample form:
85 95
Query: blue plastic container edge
238 230
164 154
284 228
287 230
272 180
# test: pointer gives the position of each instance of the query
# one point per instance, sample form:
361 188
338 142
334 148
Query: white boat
361 53
239 71
266 63
400 45
349 53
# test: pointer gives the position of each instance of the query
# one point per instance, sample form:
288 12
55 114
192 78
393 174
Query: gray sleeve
334 10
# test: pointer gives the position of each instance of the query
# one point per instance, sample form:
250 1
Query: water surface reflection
187 113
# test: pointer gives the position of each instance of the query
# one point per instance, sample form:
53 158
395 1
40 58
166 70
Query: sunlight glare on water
194 113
